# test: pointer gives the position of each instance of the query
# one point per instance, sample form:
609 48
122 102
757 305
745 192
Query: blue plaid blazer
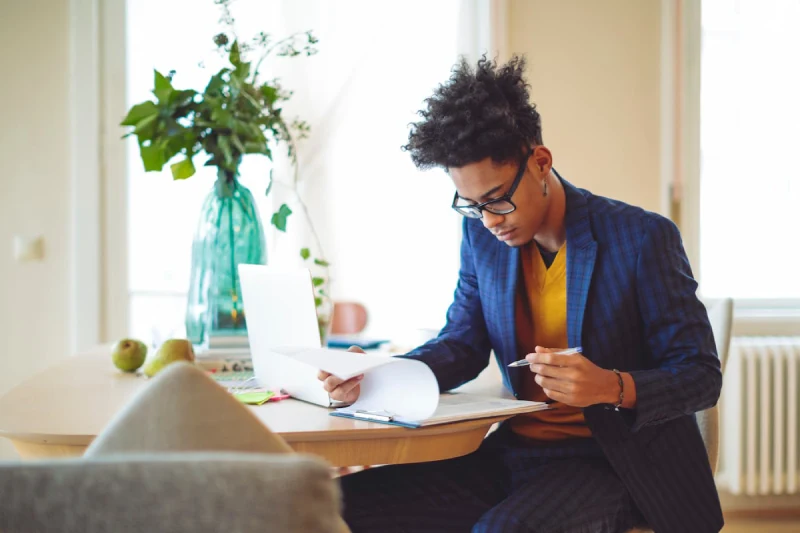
631 305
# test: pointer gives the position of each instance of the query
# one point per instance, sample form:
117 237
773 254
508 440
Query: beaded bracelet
621 389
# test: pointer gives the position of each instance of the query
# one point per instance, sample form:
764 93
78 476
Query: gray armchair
182 492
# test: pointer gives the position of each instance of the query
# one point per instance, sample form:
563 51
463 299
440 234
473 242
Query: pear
170 351
129 354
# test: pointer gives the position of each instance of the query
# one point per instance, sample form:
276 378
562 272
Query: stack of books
225 353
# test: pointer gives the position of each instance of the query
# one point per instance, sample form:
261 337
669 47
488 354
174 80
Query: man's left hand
573 379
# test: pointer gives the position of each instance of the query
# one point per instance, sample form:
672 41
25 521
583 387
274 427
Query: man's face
486 180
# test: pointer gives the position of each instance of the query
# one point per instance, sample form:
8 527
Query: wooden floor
742 525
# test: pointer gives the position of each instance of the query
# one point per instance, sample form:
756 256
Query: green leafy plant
235 115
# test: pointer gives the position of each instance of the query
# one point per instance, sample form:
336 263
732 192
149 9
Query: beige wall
594 70
34 186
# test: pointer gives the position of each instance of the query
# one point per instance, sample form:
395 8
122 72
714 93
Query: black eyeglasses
497 206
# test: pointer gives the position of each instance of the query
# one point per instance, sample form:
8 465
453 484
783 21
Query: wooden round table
59 411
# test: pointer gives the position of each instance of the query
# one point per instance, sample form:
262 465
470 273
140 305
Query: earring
544 182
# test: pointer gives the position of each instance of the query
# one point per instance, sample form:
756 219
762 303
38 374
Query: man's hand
343 391
573 379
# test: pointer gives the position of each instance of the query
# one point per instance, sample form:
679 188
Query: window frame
752 316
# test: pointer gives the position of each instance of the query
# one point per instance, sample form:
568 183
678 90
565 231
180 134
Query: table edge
390 433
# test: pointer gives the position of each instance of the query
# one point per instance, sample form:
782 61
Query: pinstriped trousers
505 486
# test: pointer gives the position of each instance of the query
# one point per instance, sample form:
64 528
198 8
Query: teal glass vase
228 233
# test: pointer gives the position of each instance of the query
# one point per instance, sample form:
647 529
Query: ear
542 160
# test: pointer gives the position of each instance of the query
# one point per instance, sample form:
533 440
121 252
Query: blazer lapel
581 255
508 268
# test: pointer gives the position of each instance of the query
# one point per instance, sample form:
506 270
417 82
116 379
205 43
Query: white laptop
280 311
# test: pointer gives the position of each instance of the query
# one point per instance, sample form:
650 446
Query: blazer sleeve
461 350
687 376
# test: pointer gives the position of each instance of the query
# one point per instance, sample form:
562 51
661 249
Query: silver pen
568 351
378 416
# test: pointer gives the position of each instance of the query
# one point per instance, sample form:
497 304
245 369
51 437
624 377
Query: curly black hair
474 115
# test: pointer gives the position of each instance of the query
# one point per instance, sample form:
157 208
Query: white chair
720 314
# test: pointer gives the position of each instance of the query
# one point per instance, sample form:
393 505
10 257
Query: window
377 63
750 142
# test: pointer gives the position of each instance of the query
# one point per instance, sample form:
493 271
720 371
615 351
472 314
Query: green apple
170 351
129 354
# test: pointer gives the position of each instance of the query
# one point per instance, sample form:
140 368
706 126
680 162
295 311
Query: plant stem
311 225
295 181
227 19
269 50
314 235
234 295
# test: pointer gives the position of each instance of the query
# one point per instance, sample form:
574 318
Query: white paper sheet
404 387
342 364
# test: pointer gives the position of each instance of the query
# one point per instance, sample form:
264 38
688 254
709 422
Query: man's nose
491 220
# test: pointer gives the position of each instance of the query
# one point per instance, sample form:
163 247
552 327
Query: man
546 266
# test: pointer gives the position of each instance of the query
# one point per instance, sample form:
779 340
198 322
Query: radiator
759 430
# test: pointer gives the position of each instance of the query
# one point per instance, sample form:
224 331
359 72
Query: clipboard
381 417
450 407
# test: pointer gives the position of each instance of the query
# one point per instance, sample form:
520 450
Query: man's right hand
339 390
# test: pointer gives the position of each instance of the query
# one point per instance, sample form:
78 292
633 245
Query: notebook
346 341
